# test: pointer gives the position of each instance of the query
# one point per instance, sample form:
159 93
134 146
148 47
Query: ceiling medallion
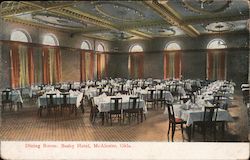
219 27
159 31
206 6
117 11
56 20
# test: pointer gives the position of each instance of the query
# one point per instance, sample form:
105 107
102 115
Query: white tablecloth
143 93
16 96
75 98
196 113
103 103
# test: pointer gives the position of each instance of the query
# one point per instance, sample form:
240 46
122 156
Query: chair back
150 94
168 86
110 90
210 114
50 99
115 104
6 95
171 115
133 103
65 99
161 94
121 87
99 91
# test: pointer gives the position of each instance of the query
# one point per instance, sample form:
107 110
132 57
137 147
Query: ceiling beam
20 9
79 15
215 19
170 17
33 24
139 34
26 7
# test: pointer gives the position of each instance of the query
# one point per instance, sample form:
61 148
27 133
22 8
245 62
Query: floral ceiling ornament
206 6
219 27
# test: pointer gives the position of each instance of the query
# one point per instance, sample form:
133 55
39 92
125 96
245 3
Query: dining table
103 104
75 98
192 112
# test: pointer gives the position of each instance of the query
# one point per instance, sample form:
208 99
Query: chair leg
214 129
137 115
204 132
168 130
173 131
110 116
182 132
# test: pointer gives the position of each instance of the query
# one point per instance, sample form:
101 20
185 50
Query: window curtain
15 66
136 61
82 67
101 66
22 66
216 65
172 65
87 62
51 65
31 65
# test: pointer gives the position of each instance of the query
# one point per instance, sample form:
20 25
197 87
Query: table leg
82 108
141 112
223 129
102 115
189 129
75 111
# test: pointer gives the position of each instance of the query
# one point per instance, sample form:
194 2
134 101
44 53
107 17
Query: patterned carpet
25 124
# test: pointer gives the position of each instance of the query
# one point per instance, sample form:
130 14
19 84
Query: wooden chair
51 102
115 108
133 109
173 121
65 104
209 121
6 99
161 97
93 111
150 98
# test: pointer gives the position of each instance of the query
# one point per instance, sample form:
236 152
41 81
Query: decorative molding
170 18
32 24
72 13
213 19
55 20
122 10
191 7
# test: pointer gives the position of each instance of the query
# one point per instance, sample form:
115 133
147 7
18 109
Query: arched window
136 48
100 48
20 36
51 60
85 45
216 44
172 46
216 60
86 62
172 61
50 40
101 60
21 60
135 61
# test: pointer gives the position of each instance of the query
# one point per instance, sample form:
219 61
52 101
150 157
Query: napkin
118 94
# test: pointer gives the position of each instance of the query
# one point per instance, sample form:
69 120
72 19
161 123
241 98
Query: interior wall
70 57
193 57
193 64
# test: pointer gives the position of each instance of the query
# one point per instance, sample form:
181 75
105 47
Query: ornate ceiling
126 20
